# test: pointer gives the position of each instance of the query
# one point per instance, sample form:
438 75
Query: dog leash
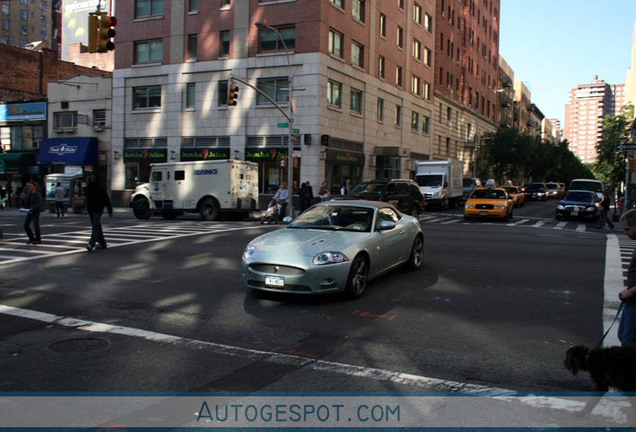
618 312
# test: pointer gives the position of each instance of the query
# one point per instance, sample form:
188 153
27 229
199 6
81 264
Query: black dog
609 367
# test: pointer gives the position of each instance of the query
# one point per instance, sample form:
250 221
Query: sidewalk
118 212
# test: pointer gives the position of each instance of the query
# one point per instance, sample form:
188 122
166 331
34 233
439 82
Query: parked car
469 185
488 203
517 195
334 246
553 189
579 204
404 194
536 191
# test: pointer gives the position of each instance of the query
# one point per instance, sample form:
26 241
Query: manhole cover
131 305
79 345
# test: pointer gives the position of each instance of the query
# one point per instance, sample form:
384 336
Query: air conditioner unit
98 127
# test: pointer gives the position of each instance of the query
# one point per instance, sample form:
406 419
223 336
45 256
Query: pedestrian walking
604 208
96 200
310 193
58 192
627 324
303 197
32 206
324 192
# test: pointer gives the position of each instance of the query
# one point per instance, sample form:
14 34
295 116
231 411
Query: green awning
16 163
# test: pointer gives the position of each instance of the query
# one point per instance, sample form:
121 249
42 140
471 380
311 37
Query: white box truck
205 187
440 182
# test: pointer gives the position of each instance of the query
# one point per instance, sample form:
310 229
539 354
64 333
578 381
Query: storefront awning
16 163
68 151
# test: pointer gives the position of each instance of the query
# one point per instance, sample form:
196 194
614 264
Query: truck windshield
431 180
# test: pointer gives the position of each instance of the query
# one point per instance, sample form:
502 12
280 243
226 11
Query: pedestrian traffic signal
106 32
232 95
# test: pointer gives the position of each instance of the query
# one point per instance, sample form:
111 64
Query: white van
588 185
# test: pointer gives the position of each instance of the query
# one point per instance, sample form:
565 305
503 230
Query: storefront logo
62 149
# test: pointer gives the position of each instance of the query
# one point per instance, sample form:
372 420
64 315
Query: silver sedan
334 246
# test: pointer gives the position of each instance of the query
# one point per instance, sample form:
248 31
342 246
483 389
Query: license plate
275 281
574 212
483 213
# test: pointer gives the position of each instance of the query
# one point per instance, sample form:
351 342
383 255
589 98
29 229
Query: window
192 47
428 57
356 101
222 93
334 90
398 76
146 97
415 85
427 91
23 30
417 13
400 4
190 95
428 23
380 112
335 43
415 121
224 38
5 25
225 3
147 8
275 88
99 118
5 9
65 119
382 25
357 54
339 3
269 41
381 67
193 6
357 9
400 37
426 124
24 16
417 49
398 115
149 51
43 20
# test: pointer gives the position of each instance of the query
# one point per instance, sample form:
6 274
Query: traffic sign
627 147
283 125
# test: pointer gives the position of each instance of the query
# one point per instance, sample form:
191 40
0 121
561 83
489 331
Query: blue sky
555 45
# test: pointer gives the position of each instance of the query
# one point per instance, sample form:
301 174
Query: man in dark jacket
32 203
96 200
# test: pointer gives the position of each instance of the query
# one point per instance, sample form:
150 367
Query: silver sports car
334 246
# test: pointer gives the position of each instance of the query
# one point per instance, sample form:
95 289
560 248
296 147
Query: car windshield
535 186
335 217
489 194
511 190
431 180
586 197
469 182
552 185
367 187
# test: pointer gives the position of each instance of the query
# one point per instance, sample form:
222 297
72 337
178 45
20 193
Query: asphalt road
495 305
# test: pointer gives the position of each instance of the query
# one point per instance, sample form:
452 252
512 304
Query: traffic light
232 95
106 32
93 28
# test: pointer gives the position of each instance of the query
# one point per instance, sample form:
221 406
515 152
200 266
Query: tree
610 163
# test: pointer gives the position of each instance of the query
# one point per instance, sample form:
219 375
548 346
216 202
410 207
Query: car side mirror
287 220
386 225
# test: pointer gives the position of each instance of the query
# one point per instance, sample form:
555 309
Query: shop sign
266 154
204 154
145 155
35 111
345 157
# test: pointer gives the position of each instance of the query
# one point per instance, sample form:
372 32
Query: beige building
630 76
24 22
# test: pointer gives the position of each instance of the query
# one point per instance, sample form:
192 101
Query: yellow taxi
488 203
516 194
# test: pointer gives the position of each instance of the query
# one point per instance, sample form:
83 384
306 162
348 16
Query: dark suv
402 193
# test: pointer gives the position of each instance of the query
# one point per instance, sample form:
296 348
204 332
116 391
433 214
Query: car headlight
591 208
469 206
500 207
560 207
437 194
249 250
329 258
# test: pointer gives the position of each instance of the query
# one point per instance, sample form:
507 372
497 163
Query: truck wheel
141 208
209 209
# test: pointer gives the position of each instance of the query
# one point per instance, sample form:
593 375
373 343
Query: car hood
305 242
370 196
576 203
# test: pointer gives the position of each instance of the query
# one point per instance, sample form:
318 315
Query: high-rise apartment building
23 22
362 86
589 103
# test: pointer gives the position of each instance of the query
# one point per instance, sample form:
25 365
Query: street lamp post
290 166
